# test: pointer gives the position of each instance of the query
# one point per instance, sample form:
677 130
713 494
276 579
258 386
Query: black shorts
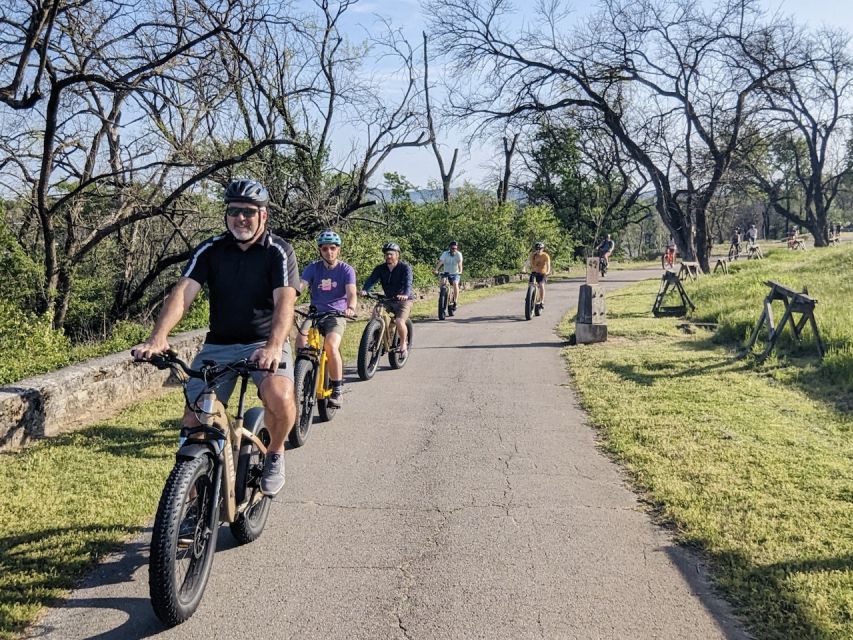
540 278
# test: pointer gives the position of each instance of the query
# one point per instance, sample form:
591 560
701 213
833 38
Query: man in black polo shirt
252 279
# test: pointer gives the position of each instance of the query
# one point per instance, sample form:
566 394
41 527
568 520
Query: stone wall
79 395
73 397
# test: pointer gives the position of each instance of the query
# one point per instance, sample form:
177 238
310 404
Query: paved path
460 497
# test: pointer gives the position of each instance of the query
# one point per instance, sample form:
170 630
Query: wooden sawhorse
795 302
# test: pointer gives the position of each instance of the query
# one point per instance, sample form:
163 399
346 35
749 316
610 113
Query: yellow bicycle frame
315 342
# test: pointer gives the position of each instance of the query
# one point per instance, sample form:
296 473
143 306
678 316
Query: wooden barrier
795 302
671 279
690 270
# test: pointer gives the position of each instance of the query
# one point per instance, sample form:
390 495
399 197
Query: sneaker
272 479
541 305
336 399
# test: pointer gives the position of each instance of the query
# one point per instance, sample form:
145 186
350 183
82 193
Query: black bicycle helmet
453 243
250 191
390 246
539 245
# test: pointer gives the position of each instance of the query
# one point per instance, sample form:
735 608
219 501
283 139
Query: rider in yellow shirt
540 269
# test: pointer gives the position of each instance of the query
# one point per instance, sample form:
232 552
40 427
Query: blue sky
419 165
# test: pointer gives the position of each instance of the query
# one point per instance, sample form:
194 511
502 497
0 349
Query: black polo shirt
240 284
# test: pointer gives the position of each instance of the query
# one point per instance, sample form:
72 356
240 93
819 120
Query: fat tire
304 389
169 605
394 358
250 524
369 349
442 303
529 301
327 412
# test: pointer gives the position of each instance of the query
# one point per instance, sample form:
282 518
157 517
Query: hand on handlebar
149 348
266 358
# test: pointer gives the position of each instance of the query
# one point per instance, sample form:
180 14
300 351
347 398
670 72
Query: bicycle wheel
327 412
529 301
303 383
370 349
250 523
397 361
183 541
732 253
442 303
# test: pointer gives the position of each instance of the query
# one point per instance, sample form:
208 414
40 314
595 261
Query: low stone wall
79 395
73 397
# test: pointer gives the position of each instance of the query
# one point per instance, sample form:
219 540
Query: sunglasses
246 212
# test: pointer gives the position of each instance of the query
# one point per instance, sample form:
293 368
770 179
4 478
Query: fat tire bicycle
445 308
380 337
533 299
216 478
311 377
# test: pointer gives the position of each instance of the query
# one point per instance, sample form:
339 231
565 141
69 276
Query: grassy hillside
751 463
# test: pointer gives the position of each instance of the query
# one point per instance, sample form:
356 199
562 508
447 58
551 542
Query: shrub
28 345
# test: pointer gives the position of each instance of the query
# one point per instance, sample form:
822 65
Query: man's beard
243 234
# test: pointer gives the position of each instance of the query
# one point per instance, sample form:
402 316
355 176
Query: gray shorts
220 353
333 324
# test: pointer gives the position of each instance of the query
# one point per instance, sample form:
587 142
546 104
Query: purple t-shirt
328 286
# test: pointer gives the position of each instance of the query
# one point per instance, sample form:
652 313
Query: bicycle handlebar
322 314
209 370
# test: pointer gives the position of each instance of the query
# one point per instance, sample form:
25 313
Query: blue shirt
396 282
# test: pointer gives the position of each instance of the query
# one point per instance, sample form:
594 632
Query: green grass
750 463
69 500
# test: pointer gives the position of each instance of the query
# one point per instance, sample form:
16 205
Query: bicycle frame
223 437
314 349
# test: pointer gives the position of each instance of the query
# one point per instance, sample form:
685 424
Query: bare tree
509 147
141 113
446 174
672 81
808 117
89 153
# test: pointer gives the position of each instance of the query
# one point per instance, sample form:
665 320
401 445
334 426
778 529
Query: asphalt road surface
460 497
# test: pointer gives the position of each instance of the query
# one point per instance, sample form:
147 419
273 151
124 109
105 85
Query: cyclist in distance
450 262
396 279
734 249
752 235
540 269
252 280
332 286
605 249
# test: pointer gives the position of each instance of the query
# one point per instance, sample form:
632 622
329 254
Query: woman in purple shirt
332 286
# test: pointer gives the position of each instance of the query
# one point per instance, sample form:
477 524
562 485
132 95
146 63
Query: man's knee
277 393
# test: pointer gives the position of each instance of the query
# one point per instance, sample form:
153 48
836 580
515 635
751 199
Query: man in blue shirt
396 279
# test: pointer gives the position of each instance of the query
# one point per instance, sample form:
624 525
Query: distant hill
421 196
